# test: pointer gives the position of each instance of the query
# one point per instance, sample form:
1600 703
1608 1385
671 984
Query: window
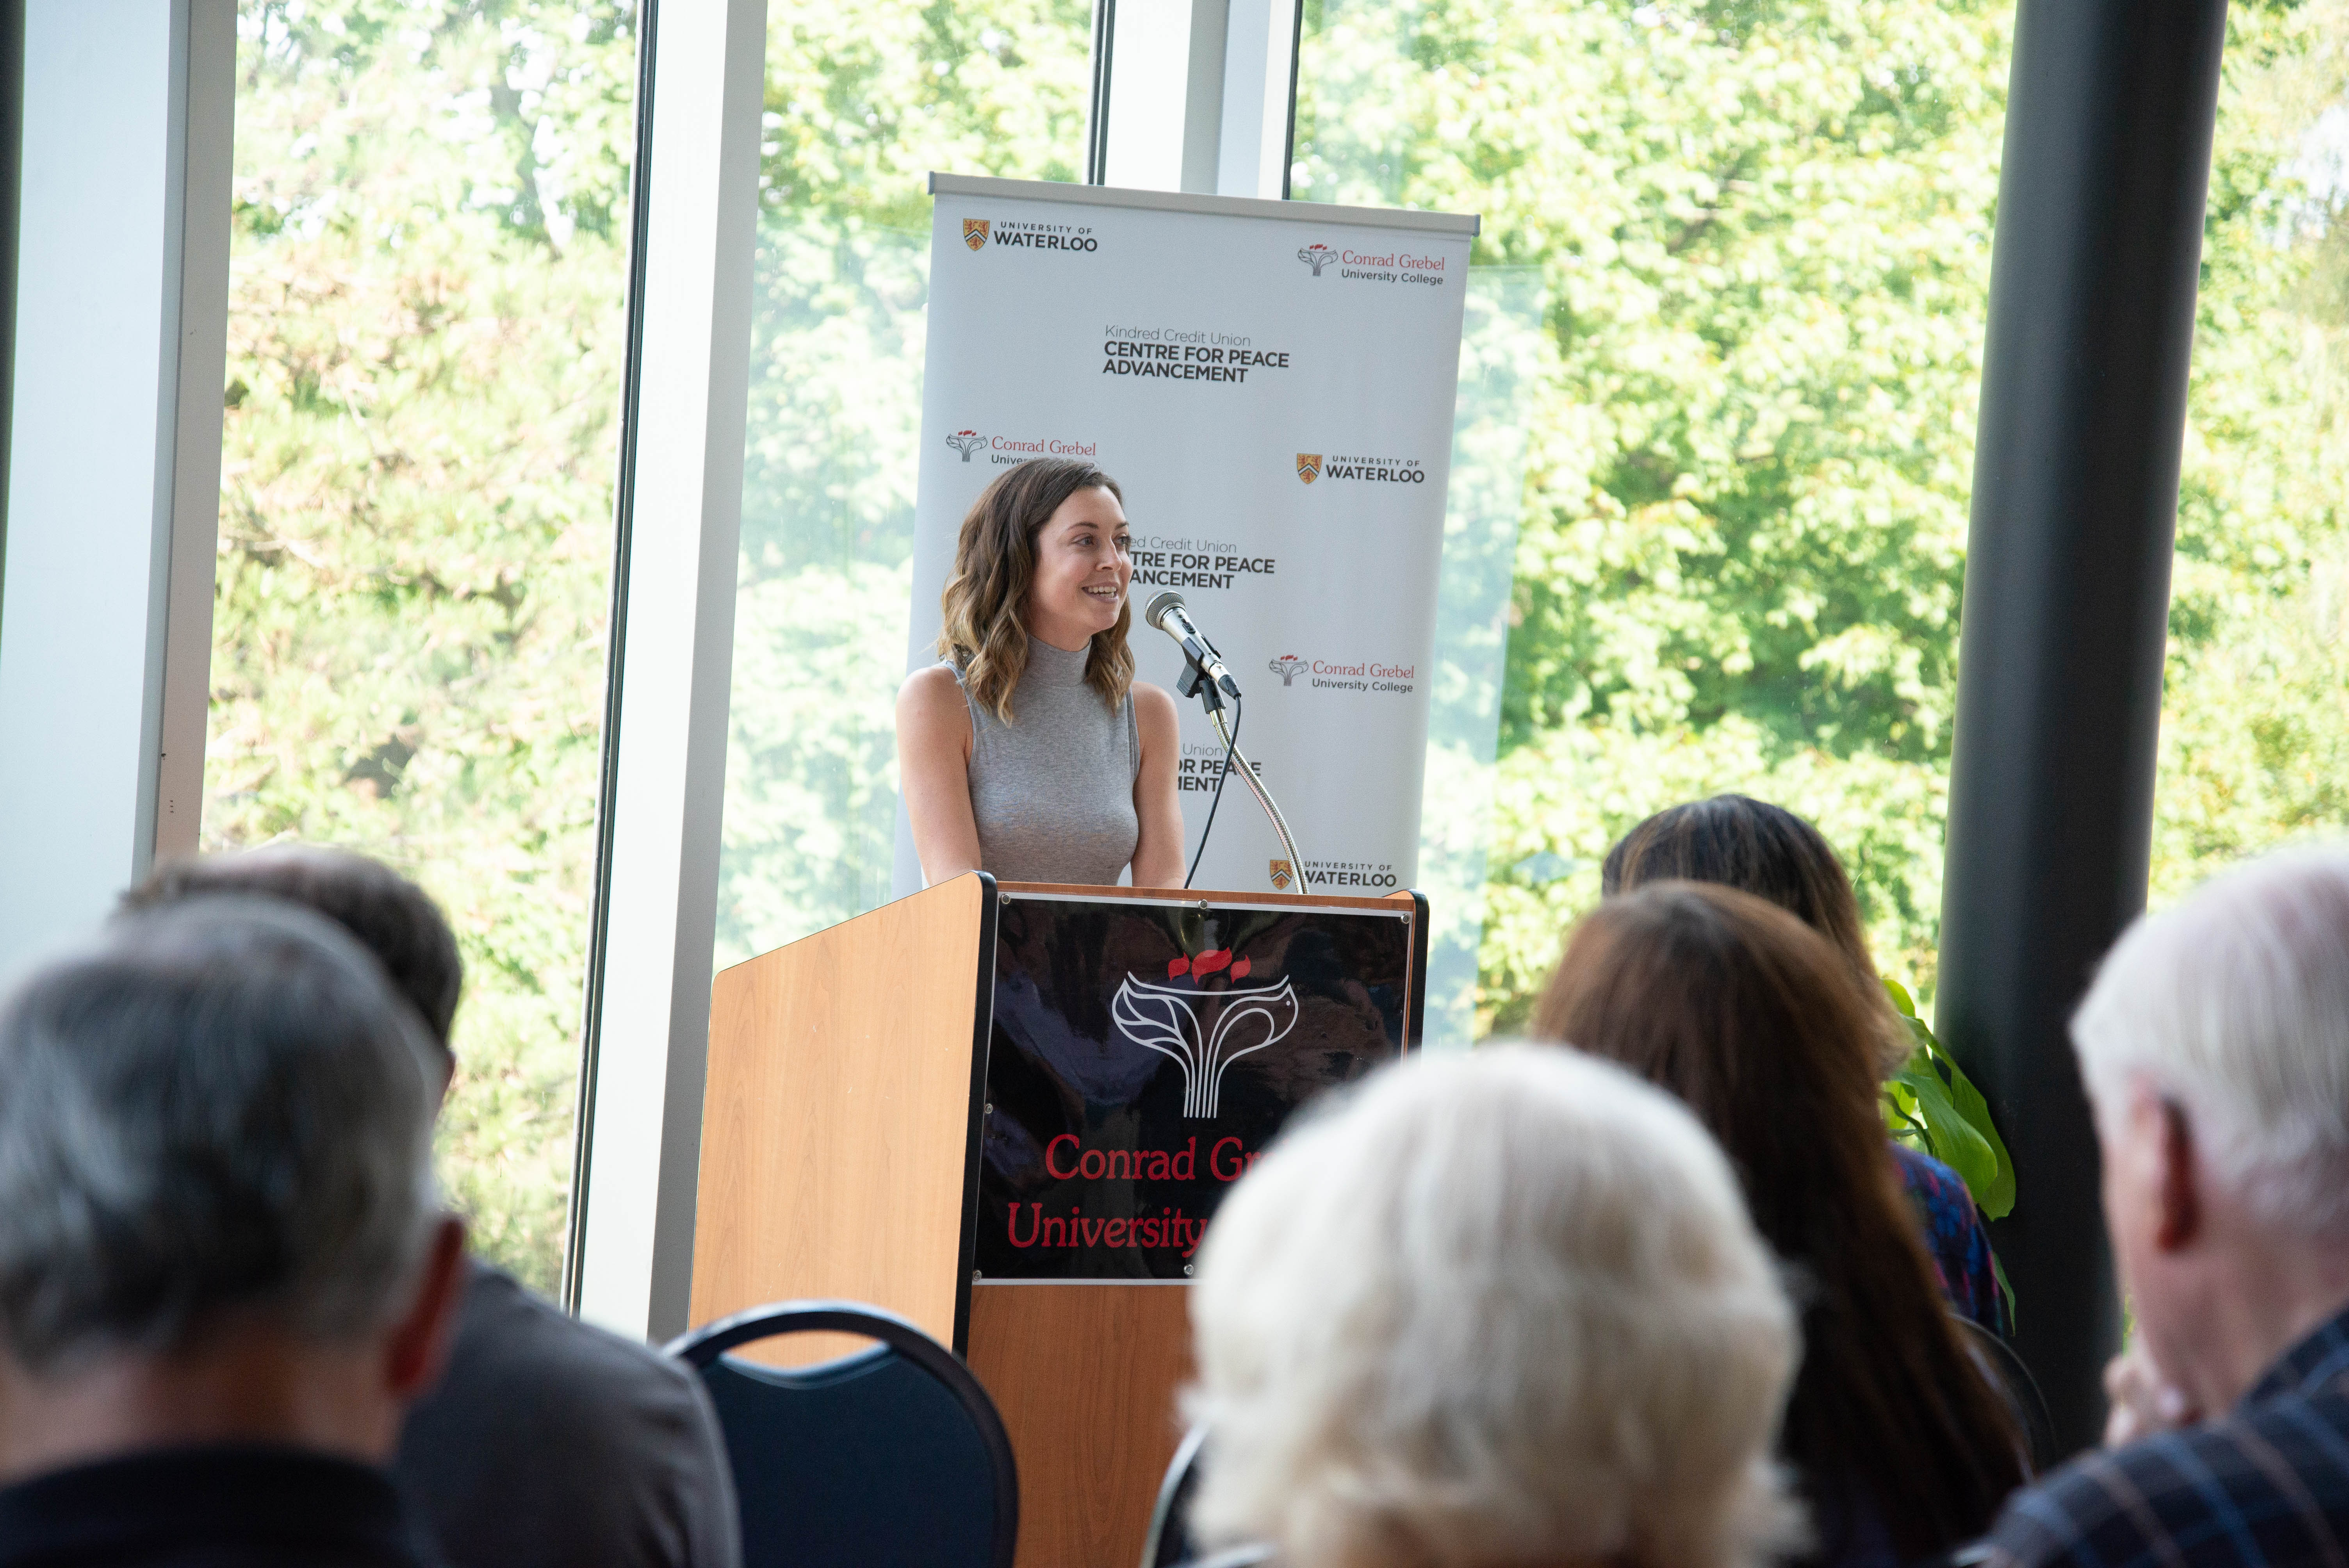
425 335
2255 713
863 102
1761 230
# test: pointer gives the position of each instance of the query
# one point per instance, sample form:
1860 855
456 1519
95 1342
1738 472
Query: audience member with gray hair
1499 1309
2215 1047
549 1443
223 1271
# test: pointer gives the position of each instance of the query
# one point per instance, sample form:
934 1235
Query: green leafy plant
1933 1107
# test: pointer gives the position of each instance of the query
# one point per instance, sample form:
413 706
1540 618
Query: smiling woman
1029 751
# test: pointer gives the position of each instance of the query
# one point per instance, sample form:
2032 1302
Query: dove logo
1167 1021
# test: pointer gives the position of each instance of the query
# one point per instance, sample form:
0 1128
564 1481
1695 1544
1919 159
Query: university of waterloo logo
1286 667
966 442
1314 256
1170 1022
1283 873
1309 466
974 234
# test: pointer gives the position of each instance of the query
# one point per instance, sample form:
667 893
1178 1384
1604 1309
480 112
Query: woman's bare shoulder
1153 702
933 687
931 702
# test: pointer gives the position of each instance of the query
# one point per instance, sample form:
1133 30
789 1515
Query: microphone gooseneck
1203 675
1234 756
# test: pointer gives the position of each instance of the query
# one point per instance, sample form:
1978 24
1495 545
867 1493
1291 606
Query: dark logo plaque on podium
1144 1052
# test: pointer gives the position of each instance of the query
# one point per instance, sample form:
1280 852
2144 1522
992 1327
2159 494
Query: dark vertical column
2109 118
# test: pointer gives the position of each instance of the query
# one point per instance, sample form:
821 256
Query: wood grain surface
837 1120
1085 1375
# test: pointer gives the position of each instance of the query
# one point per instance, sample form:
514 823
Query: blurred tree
862 104
1767 228
415 555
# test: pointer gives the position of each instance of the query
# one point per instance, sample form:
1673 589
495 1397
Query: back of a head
1755 847
219 1112
1503 1308
392 918
2237 1003
1761 1027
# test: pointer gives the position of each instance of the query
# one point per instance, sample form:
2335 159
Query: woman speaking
1030 751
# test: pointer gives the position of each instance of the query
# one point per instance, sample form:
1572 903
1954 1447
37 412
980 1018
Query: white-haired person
2215 1047
1504 1308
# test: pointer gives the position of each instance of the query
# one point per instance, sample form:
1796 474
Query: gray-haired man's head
2215 1047
219 1112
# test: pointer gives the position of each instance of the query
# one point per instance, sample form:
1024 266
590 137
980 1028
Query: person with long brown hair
1029 751
1903 1446
1771 852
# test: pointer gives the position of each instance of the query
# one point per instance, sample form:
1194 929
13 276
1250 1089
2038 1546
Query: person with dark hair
1771 854
223 1269
1903 1446
1030 750
548 1443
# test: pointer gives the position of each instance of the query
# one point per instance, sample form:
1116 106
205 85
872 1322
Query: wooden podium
1006 1111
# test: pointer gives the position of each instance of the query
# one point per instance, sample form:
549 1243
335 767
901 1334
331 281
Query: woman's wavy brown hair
1771 854
984 603
1763 1028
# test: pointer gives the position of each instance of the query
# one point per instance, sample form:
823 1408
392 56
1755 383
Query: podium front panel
1143 1052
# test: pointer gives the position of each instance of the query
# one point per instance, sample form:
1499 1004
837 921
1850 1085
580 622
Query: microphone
1168 614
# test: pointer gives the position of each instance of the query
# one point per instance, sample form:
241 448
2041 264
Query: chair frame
702 1346
1170 1495
2038 1424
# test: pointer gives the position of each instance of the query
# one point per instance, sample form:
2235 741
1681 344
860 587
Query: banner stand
1272 383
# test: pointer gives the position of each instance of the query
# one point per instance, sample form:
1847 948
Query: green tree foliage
1766 226
2255 727
862 104
416 502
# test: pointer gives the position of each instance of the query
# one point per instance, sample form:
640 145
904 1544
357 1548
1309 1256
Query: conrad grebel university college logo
966 442
1286 667
1317 257
1204 1032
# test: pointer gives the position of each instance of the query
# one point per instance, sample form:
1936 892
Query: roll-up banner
1272 384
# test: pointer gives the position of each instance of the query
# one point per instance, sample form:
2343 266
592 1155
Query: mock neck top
1052 791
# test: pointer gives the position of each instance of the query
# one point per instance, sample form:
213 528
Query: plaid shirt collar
2322 1356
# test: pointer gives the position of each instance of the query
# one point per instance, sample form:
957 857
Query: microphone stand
1195 683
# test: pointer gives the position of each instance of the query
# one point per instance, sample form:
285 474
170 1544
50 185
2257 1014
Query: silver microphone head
1155 613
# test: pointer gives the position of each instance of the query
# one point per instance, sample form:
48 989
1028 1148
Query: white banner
1272 386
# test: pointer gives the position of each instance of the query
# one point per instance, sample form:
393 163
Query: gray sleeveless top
1052 791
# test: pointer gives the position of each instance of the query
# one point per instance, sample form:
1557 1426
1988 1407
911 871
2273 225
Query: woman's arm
1158 854
934 771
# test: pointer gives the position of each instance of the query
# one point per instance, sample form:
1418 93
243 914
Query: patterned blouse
1955 1239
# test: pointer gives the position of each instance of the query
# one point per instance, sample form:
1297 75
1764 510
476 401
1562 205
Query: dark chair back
2006 1369
892 1455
